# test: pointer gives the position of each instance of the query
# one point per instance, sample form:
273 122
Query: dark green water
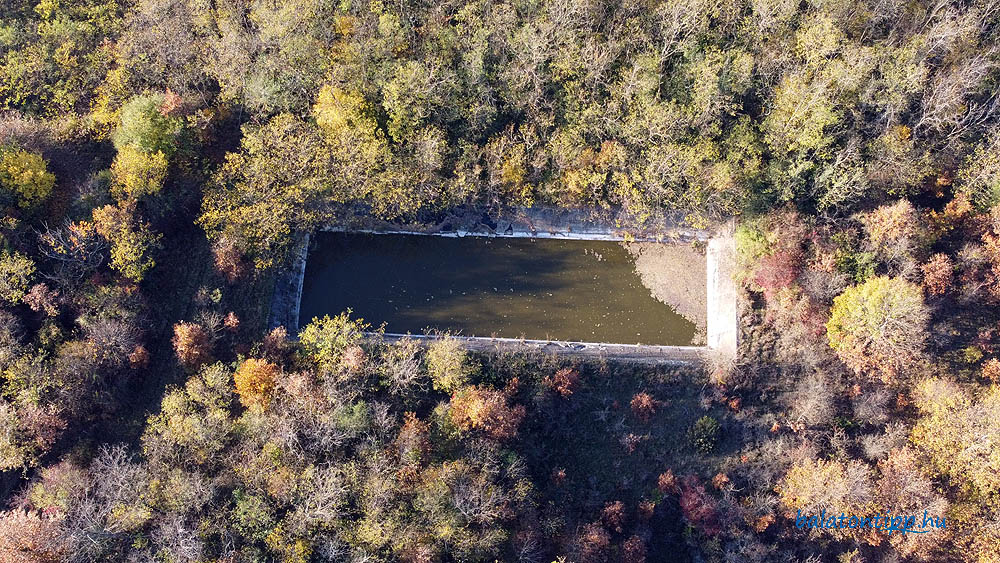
508 287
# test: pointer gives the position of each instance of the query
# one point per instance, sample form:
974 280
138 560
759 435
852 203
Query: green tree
277 186
327 340
145 125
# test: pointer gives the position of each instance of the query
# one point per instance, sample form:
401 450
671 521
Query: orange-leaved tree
255 382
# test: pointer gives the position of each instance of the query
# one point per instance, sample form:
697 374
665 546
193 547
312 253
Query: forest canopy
160 159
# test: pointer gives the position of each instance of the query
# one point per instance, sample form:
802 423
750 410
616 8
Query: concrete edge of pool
722 306
640 353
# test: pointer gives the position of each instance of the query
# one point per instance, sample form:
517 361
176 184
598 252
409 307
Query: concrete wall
287 296
634 353
540 222
723 310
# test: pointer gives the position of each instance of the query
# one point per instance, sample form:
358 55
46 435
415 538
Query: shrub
667 483
139 358
193 344
634 550
448 364
593 541
705 434
24 174
613 516
563 382
643 406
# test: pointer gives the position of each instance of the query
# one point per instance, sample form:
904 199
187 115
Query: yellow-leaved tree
24 175
879 327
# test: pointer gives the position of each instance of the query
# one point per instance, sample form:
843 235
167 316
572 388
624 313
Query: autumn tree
448 364
255 382
481 408
27 537
228 259
939 272
277 186
24 176
75 250
896 231
811 486
904 485
137 173
16 274
192 344
979 177
879 326
951 430
194 424
41 298
132 241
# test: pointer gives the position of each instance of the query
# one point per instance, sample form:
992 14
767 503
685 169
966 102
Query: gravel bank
675 274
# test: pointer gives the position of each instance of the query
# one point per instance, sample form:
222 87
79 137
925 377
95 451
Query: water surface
508 287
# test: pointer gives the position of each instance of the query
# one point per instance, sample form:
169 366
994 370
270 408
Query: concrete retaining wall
540 222
723 308
287 296
634 353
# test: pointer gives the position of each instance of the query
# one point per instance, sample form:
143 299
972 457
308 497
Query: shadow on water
510 287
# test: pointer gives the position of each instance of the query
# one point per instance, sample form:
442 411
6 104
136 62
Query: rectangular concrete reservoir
575 290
